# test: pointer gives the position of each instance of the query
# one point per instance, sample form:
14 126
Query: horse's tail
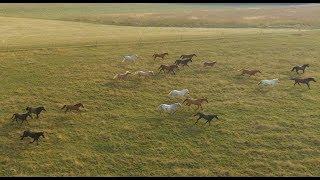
115 76
154 55
259 83
293 68
161 66
13 116
64 106
181 56
185 100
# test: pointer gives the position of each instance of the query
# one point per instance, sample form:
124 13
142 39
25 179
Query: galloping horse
302 67
161 55
176 93
183 62
250 72
207 117
267 82
130 58
122 76
143 73
169 68
211 64
197 102
303 81
36 111
169 107
73 107
184 56
22 117
34 135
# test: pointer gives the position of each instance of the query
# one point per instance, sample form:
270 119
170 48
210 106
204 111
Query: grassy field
261 131
212 15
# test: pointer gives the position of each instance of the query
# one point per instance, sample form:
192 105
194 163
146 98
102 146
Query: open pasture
260 131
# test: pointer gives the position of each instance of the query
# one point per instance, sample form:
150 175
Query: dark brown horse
303 81
36 110
302 67
183 62
34 135
161 55
184 56
207 63
250 72
21 117
73 107
207 117
169 68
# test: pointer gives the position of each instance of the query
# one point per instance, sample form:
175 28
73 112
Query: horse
34 135
130 58
197 102
22 117
184 62
207 117
73 107
250 72
36 110
303 81
211 64
161 55
145 74
302 67
176 93
169 68
271 82
122 76
169 107
183 56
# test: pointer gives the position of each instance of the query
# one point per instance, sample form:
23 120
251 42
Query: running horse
303 81
161 55
197 102
183 62
207 117
250 72
302 67
169 68
73 107
184 56
207 63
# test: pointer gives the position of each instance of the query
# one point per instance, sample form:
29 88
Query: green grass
261 131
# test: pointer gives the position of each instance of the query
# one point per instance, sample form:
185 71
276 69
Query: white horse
143 73
176 93
169 107
271 82
130 58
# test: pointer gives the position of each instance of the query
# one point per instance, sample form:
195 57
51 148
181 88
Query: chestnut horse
169 68
73 107
162 55
211 64
297 68
122 76
197 102
250 72
303 81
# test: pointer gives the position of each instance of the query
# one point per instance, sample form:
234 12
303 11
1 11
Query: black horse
36 110
22 117
302 67
207 117
34 135
183 62
303 81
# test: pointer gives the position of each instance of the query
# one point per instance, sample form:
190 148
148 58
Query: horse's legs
295 84
308 85
37 116
33 140
66 110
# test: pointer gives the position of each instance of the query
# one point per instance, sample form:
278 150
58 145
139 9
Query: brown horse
250 72
183 62
297 68
197 102
303 81
211 64
184 56
169 68
73 107
161 55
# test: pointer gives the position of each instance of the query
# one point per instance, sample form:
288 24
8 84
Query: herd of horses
184 60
